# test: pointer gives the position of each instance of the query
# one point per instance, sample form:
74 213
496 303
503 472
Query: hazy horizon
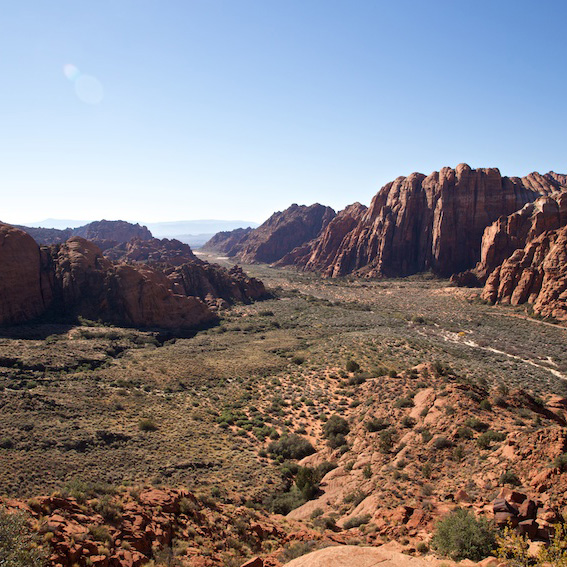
159 112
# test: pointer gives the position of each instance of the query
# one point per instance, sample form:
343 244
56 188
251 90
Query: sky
233 109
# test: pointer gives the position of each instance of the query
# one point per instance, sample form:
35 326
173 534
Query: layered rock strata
419 223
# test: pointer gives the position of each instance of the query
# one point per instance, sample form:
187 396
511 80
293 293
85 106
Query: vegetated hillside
104 233
404 399
420 223
74 279
280 234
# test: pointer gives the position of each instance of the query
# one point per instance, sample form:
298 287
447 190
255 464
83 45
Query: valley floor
93 404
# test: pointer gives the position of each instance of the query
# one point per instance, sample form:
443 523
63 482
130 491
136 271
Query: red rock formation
88 284
317 254
420 223
23 294
151 251
535 274
211 282
227 241
510 233
282 232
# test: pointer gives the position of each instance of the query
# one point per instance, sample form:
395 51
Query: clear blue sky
190 109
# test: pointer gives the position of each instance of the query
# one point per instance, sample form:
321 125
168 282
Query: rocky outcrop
510 233
23 293
227 242
317 254
104 233
282 232
212 283
153 251
419 223
536 274
75 279
86 283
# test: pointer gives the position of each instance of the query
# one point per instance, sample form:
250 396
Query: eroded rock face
319 253
226 242
86 283
152 251
419 223
510 233
535 274
211 282
282 232
23 292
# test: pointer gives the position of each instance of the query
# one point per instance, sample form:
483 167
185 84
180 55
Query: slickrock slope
104 233
21 286
227 241
420 223
283 232
151 251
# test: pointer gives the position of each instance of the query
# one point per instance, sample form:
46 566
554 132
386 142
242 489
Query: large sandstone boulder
353 555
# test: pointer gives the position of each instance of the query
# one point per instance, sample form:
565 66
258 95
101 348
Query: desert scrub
460 535
291 447
147 424
335 429
356 521
18 547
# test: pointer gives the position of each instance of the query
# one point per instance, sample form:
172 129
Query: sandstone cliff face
151 251
282 232
22 291
508 234
86 283
535 274
227 241
420 223
319 253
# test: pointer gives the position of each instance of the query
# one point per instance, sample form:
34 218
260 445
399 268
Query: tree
460 535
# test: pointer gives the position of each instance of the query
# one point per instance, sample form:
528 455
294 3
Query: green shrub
485 439
291 447
460 535
404 403
352 366
476 424
376 424
387 440
560 462
147 424
442 442
408 422
509 477
335 429
17 545
464 433
356 521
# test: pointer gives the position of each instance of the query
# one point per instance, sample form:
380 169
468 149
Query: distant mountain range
193 232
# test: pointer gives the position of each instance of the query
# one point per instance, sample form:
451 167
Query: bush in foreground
17 547
460 535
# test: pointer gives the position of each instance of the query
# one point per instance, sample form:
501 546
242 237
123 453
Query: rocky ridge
420 223
75 279
226 242
280 234
105 234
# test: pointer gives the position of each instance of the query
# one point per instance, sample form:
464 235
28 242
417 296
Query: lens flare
89 89
71 72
